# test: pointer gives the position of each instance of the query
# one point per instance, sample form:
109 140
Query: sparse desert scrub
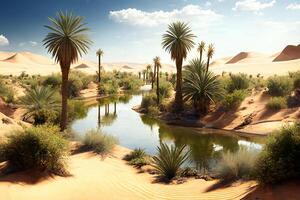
279 85
279 160
237 165
233 100
6 92
170 159
237 82
99 142
277 103
138 158
40 147
148 100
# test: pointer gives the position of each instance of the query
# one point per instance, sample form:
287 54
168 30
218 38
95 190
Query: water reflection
115 116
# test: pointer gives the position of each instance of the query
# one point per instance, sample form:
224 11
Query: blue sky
130 30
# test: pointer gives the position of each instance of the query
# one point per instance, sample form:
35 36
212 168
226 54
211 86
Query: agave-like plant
170 159
200 86
39 98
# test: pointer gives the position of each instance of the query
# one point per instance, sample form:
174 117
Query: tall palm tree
210 53
144 74
99 53
157 65
200 86
66 41
201 49
148 68
178 41
154 75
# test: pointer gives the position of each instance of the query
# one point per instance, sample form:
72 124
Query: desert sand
111 178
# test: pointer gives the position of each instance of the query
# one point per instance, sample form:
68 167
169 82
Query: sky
131 30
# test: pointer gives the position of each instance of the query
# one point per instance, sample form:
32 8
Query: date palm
200 86
178 41
201 49
157 65
148 68
99 53
210 53
66 41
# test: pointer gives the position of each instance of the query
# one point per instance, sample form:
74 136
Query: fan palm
39 98
157 65
200 86
210 53
99 53
170 159
201 49
66 41
178 41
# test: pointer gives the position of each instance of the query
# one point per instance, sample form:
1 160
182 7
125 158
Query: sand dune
112 178
290 52
246 57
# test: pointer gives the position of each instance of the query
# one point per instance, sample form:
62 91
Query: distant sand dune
290 52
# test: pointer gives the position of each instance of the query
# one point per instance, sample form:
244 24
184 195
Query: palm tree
200 86
148 68
144 74
167 76
154 75
99 53
39 101
178 41
157 65
140 75
210 53
201 49
66 41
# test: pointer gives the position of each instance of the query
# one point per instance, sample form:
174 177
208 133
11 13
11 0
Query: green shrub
130 82
40 147
165 89
99 142
6 92
296 79
84 78
169 160
279 160
277 103
153 111
237 82
233 100
109 87
53 80
137 158
148 100
240 164
279 85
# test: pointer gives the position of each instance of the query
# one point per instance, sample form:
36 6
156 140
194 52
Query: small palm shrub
279 160
240 164
40 147
99 142
277 103
279 85
39 102
200 86
169 160
137 158
148 101
233 100
238 82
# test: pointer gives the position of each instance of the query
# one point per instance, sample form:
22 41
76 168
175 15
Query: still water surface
136 131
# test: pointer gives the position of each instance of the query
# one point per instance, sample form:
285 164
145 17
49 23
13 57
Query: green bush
84 78
6 92
237 82
153 111
109 87
137 158
240 164
53 80
165 89
296 79
99 142
277 103
279 85
170 159
148 100
40 147
279 160
130 82
233 100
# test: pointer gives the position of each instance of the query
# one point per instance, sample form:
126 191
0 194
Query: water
136 131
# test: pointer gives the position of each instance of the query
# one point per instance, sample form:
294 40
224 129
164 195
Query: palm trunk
178 96
200 56
207 64
157 86
153 78
99 75
64 98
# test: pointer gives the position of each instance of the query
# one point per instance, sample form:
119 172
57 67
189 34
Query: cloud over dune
3 40
187 13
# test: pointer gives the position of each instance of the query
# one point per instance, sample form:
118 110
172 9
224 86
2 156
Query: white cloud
293 6
284 27
3 40
31 43
189 13
253 5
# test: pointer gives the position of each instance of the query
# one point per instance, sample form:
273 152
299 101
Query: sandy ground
111 178
263 121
